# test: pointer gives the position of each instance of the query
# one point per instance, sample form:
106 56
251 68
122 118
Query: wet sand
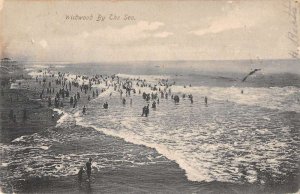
38 115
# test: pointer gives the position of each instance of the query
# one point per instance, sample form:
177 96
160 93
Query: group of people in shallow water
123 86
81 86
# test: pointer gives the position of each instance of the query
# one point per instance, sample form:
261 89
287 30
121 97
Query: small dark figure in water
205 100
71 100
105 105
145 111
49 101
191 98
84 110
68 94
154 104
89 168
176 99
80 173
147 97
124 101
89 98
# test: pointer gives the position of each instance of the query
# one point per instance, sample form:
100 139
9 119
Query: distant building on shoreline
9 65
7 60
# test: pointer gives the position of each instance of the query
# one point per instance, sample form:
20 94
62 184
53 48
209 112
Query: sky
157 30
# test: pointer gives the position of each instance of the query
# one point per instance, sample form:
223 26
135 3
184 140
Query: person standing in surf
89 169
80 172
84 110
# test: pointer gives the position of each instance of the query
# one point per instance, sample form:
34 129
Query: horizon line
180 60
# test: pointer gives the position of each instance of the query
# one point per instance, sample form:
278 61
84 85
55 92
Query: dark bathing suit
88 169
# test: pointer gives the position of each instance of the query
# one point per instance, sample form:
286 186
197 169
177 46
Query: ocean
249 137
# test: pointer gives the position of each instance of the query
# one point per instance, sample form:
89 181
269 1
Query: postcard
150 96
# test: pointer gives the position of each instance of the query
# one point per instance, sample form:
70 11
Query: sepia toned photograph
129 96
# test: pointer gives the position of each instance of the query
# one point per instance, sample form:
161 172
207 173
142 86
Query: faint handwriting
293 34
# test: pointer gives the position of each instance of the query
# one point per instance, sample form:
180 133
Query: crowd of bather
60 89
74 88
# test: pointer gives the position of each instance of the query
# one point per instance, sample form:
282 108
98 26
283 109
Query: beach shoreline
161 176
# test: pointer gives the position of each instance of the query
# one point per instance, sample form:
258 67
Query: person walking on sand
84 110
89 168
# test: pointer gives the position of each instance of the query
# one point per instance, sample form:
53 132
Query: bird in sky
251 73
